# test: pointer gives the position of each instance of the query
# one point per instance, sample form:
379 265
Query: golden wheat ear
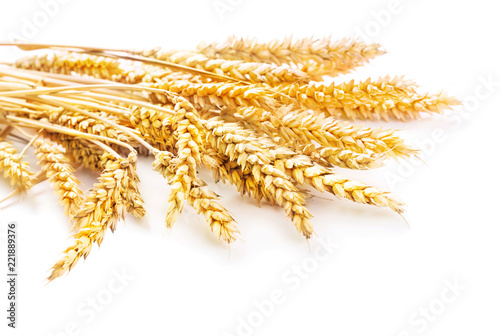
101 209
56 166
14 168
316 57
379 99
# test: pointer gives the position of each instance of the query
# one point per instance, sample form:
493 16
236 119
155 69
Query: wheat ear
87 124
236 143
315 56
13 168
383 98
100 67
102 209
81 151
154 126
239 70
130 190
187 132
204 201
215 95
201 199
323 179
241 147
60 174
244 182
344 158
306 126
187 145
69 62
300 129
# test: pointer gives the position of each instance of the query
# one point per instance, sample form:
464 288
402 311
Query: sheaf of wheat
259 115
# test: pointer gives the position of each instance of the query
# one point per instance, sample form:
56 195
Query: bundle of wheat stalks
258 115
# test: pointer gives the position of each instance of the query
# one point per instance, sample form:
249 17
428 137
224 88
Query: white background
380 277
